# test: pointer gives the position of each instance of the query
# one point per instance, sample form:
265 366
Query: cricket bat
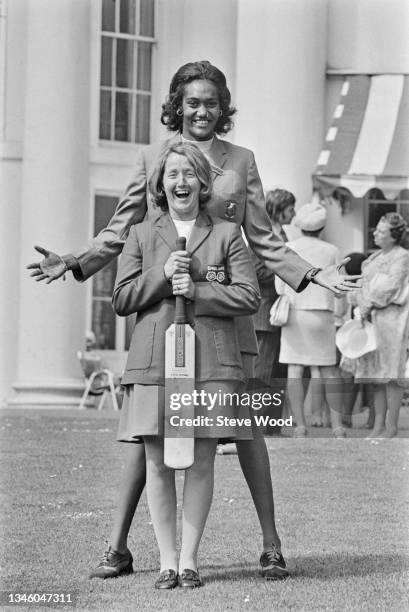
179 380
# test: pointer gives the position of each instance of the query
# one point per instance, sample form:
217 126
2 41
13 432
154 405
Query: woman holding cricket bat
215 274
198 109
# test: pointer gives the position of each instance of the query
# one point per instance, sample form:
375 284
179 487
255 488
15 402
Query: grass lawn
341 506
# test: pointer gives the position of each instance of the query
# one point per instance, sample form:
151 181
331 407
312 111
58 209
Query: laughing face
201 110
182 188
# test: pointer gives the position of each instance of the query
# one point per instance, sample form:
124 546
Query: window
377 206
126 70
111 332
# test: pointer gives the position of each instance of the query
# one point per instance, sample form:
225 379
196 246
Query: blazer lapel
200 231
217 155
167 230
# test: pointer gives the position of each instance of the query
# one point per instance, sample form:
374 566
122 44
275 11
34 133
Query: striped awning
367 144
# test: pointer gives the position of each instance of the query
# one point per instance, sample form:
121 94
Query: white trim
331 134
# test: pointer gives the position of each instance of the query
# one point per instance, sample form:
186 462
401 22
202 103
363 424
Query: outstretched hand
50 268
331 278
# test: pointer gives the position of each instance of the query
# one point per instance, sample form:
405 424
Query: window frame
114 89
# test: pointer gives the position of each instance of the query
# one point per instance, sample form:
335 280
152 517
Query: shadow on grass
322 567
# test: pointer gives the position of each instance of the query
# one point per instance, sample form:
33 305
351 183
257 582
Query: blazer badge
230 210
216 273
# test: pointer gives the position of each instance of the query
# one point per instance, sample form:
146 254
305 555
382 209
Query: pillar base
60 393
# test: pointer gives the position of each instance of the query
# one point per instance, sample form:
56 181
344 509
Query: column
55 199
281 54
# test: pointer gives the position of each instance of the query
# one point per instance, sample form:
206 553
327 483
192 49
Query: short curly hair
397 225
187 73
196 159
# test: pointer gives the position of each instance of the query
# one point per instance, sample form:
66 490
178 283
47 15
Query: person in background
308 338
351 388
198 108
268 371
383 299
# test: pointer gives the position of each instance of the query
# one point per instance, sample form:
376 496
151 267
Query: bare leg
197 499
380 411
350 393
394 395
255 464
161 491
333 392
296 393
132 485
317 397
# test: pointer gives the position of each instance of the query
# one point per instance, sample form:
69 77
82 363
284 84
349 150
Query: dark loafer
113 564
168 579
189 579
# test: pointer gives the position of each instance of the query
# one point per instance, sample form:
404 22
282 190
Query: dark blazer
141 287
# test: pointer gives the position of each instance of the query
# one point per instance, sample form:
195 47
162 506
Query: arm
272 251
136 290
107 244
241 296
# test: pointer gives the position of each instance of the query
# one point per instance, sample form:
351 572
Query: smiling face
182 188
382 236
201 109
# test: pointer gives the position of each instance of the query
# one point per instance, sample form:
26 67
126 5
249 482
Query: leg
296 393
117 559
380 411
197 499
350 393
161 491
333 392
254 462
317 397
133 483
394 396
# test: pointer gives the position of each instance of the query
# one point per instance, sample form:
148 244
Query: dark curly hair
397 225
187 73
196 159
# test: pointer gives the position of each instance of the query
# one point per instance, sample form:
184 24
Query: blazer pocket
141 349
227 348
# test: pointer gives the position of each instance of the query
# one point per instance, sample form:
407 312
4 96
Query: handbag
279 311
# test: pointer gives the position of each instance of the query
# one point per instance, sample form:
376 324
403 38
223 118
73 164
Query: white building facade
81 88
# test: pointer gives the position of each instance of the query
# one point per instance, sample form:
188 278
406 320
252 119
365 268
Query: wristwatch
312 273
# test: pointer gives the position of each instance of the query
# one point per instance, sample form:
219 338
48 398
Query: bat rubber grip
180 311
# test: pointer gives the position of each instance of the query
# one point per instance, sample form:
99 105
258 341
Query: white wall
369 36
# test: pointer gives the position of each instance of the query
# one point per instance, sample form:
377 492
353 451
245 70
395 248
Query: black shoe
168 579
189 579
273 565
113 564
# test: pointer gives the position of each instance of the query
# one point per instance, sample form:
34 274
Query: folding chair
99 381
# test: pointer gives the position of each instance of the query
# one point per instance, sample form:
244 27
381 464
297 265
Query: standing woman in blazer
149 276
198 109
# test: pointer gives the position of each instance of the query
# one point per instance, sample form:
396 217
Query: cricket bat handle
180 311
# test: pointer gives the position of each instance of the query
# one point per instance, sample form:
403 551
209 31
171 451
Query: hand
331 279
182 284
178 262
50 268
